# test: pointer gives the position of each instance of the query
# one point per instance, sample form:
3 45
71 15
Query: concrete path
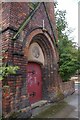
73 104
70 110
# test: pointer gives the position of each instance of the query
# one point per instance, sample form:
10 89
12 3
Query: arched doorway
49 66
34 82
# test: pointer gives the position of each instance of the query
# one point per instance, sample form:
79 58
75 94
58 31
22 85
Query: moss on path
52 110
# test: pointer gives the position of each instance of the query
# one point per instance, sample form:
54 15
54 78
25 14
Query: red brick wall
19 11
13 15
68 87
5 10
17 98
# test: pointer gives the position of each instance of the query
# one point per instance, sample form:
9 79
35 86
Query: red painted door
34 80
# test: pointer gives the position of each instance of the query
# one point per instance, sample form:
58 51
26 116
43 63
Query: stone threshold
39 104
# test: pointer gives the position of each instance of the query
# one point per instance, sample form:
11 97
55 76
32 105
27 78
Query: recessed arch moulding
39 48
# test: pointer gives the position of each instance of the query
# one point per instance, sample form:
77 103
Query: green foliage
69 62
55 4
68 65
61 21
5 71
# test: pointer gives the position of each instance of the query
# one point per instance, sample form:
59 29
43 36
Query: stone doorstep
38 104
33 106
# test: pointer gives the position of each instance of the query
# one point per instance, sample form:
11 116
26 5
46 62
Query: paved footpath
71 110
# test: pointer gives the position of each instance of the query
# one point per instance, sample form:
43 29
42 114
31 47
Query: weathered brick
14 14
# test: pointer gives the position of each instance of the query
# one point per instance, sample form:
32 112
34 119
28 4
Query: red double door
34 80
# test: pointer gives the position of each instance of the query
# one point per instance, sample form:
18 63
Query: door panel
34 80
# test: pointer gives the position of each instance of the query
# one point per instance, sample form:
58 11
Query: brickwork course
16 51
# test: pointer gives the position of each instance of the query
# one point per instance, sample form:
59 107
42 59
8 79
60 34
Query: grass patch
51 111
